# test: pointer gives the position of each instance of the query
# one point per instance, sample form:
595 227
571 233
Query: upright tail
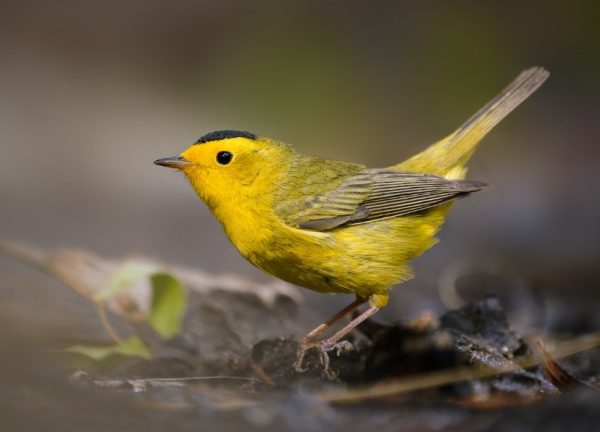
449 156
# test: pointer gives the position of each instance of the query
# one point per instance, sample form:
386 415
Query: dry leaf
89 275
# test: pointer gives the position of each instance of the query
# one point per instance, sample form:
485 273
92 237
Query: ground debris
230 366
471 356
88 274
559 376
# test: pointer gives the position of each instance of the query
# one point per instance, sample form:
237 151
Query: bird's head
224 165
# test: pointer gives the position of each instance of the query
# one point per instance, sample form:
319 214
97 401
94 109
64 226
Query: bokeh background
92 92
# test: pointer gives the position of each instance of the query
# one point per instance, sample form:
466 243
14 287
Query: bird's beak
173 162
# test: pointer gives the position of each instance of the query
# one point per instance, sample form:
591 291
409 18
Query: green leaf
127 274
132 347
168 305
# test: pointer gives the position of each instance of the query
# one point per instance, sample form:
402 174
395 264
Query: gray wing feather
381 194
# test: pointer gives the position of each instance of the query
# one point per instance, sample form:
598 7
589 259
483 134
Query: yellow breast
362 259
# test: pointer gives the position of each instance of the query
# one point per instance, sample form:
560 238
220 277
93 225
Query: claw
324 347
308 341
342 346
302 348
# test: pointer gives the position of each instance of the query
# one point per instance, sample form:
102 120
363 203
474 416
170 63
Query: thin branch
101 309
453 376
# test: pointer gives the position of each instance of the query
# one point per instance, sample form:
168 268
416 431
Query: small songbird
338 227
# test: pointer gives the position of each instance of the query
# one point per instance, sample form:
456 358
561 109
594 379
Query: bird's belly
362 259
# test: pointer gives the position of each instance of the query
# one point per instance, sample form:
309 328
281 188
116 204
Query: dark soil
231 370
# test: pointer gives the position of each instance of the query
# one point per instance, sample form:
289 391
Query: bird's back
368 258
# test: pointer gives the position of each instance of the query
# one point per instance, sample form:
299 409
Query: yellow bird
338 227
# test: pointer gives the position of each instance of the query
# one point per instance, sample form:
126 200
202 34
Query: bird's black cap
224 134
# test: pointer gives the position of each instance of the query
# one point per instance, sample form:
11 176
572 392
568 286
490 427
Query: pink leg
319 330
349 327
331 342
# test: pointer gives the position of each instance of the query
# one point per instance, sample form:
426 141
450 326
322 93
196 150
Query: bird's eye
224 157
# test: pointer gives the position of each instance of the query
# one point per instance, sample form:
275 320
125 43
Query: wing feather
380 194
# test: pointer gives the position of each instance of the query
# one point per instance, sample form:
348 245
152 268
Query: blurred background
93 92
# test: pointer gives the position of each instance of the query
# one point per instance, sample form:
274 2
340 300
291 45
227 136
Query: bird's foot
324 346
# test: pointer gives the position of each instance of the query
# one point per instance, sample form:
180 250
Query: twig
143 384
101 309
261 373
27 254
453 376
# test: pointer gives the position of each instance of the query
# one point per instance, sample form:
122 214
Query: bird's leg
308 340
319 330
330 343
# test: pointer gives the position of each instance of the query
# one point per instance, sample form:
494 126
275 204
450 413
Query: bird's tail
449 156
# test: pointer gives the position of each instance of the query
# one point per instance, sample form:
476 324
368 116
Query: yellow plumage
333 226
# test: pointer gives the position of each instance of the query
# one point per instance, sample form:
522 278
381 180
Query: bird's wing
377 194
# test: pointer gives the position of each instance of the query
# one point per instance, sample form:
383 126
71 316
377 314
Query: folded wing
378 194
